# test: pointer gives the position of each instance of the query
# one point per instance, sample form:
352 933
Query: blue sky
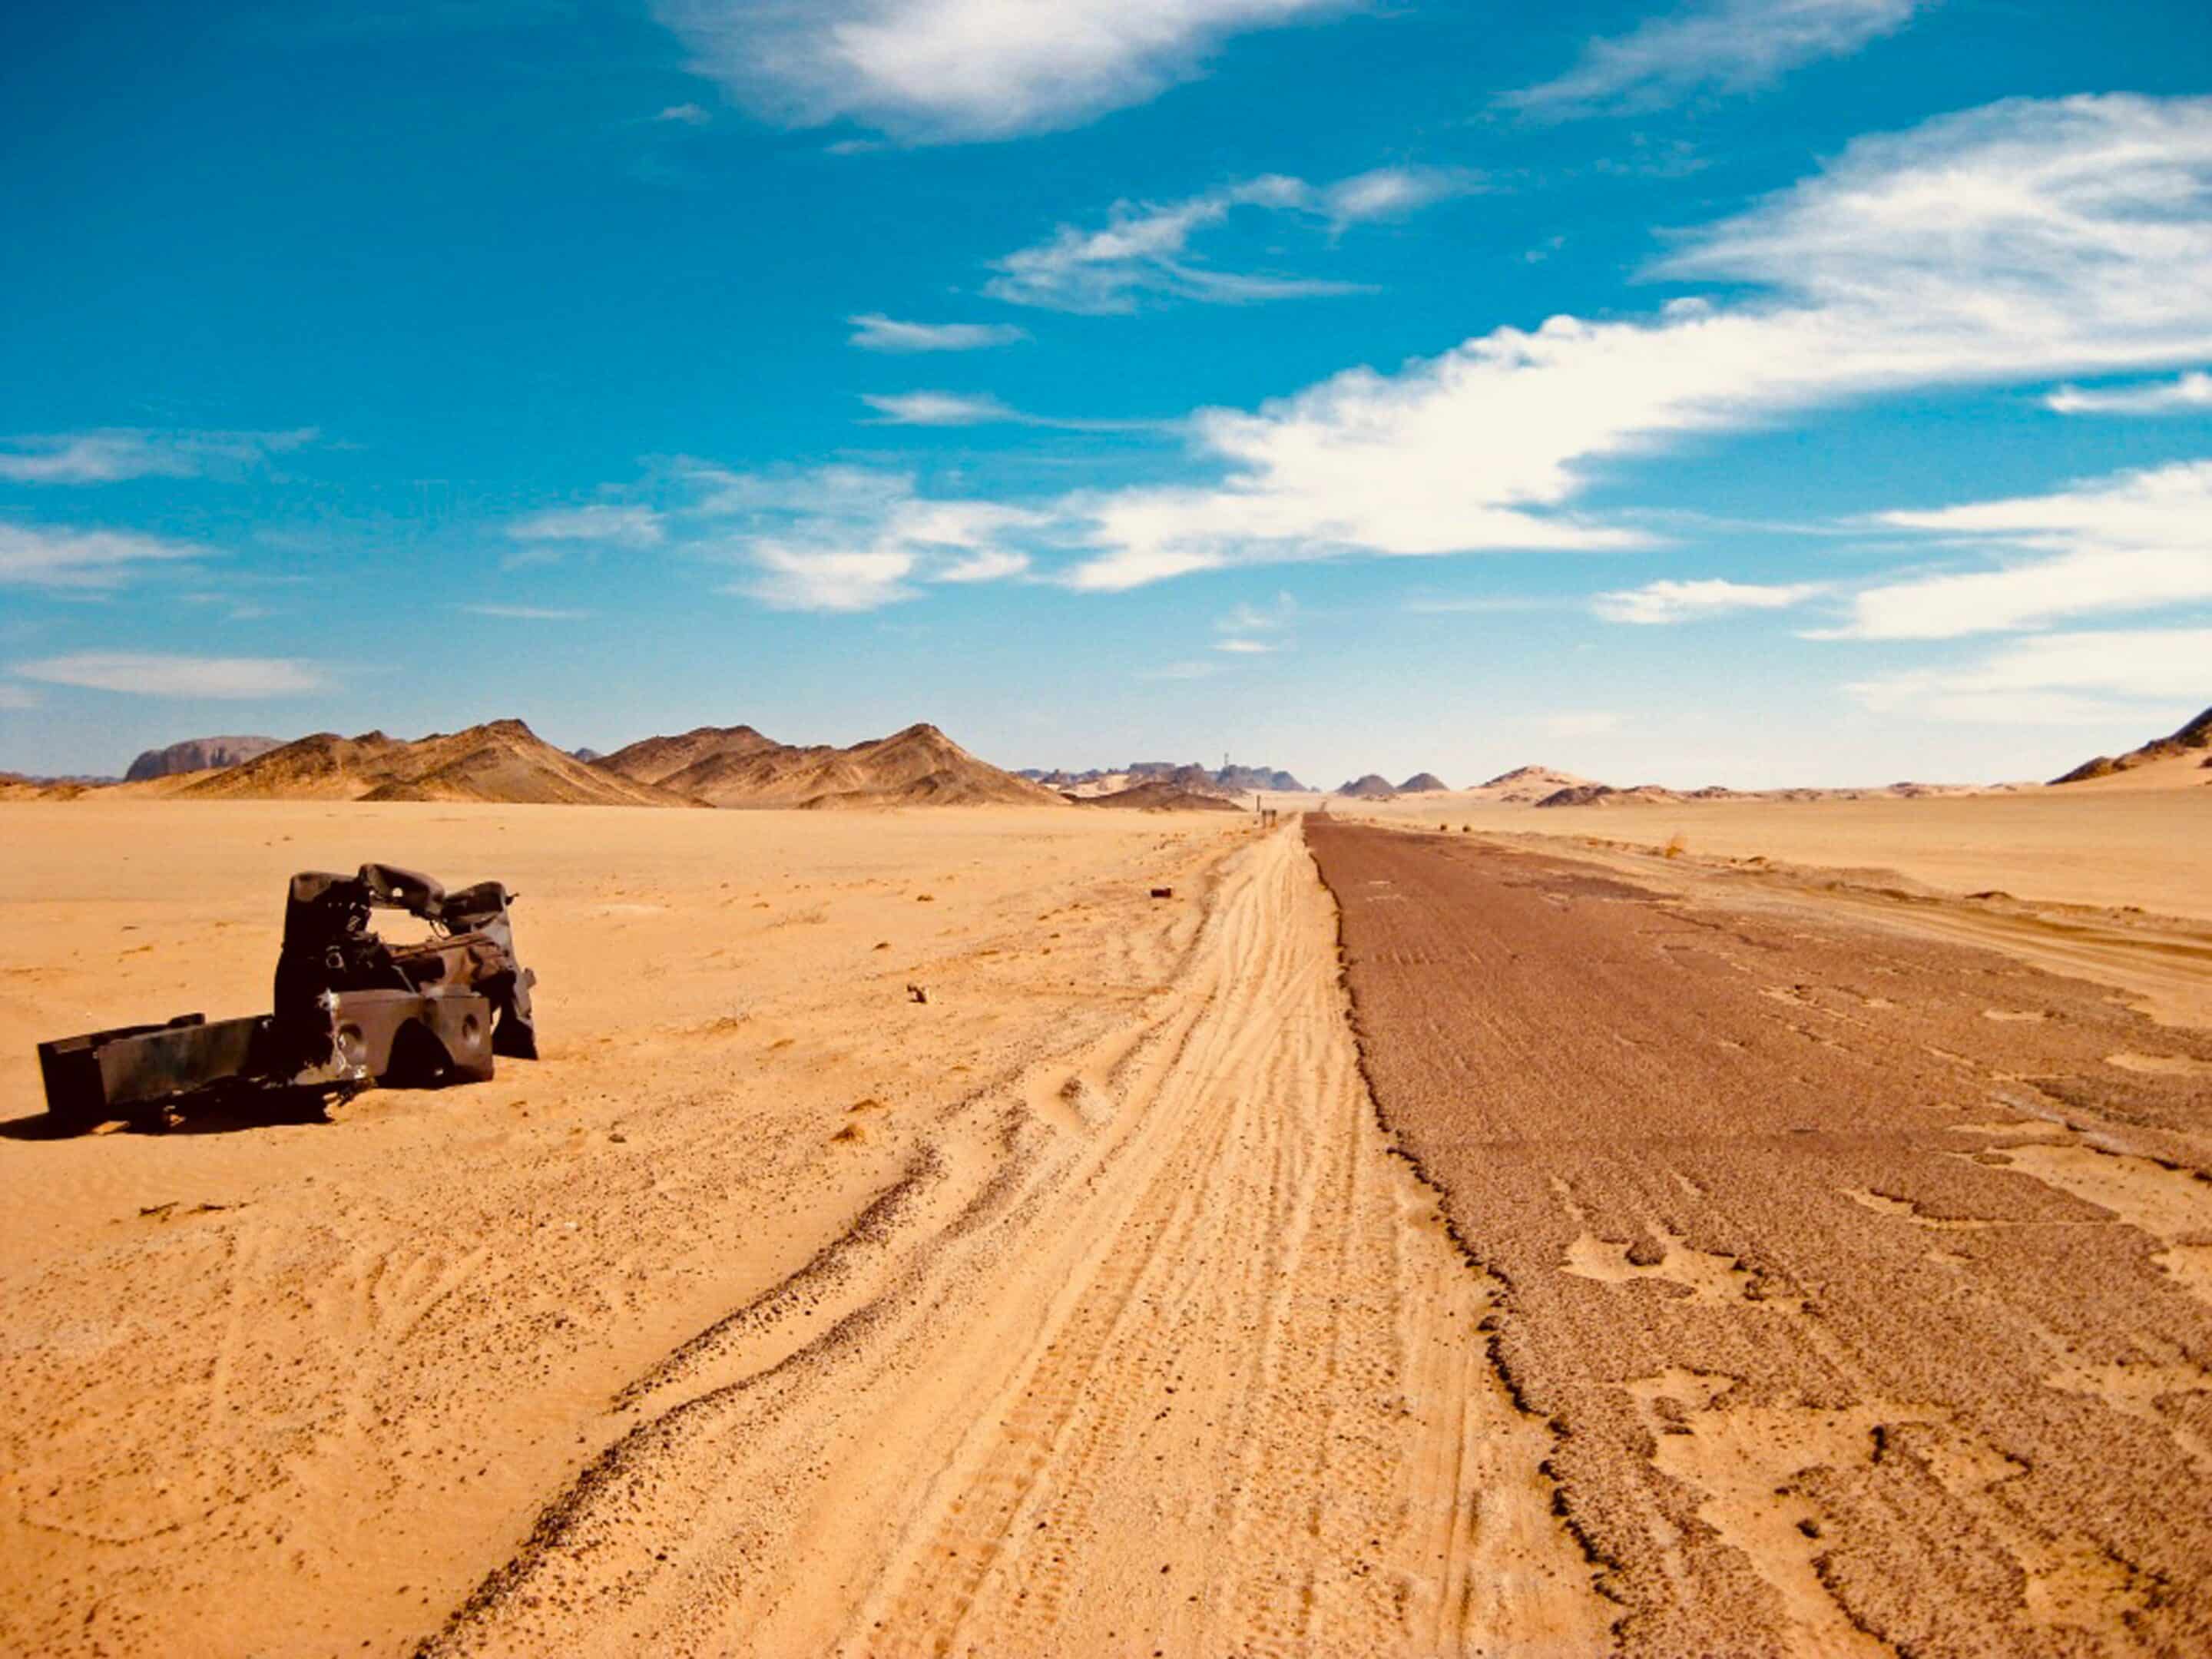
1729 390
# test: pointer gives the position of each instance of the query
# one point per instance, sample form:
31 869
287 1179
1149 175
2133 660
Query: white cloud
979 409
689 115
18 697
940 71
522 612
116 454
2014 242
940 408
1663 602
1257 629
2057 678
2136 542
1144 249
633 528
875 332
987 564
1731 44
2190 392
844 538
32 556
150 674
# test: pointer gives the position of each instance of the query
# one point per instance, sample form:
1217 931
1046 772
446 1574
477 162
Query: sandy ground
2097 844
1081 1308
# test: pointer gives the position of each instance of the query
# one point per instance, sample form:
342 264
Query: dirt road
1866 1279
1154 1350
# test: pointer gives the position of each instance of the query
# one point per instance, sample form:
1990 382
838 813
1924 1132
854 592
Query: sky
1754 391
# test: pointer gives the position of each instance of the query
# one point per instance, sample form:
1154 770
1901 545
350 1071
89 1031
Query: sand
1081 1308
2110 842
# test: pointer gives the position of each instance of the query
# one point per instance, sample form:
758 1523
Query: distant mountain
1423 783
587 756
1235 780
501 760
1159 795
737 766
2191 739
1524 785
1373 787
197 755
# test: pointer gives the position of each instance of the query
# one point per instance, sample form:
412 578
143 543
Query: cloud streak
32 556
636 528
875 332
1661 603
116 454
151 674
2136 542
2056 678
2190 394
1731 45
1144 250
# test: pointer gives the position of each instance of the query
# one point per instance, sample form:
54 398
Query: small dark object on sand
917 994
1162 892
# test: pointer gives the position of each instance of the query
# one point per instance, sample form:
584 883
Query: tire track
1194 1367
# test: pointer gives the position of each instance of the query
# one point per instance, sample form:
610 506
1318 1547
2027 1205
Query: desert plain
1728 1228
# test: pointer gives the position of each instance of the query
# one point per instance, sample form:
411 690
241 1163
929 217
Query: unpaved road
1866 1281
1156 1350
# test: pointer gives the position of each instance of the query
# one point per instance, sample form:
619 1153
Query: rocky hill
1158 795
1373 787
2192 740
737 766
1234 779
197 755
1423 783
501 760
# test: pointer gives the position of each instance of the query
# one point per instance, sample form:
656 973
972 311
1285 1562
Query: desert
915 1234
1106 829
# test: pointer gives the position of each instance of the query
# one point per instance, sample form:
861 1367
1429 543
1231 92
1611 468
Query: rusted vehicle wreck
351 1010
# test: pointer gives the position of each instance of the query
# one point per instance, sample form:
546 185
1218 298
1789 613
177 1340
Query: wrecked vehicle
351 1010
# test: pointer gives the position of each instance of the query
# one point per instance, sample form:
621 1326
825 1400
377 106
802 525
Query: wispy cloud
2016 242
1663 602
844 538
17 698
1144 250
2107 546
633 528
2056 678
2190 394
943 70
114 455
1254 630
1734 45
149 674
524 612
34 557
687 115
970 408
875 332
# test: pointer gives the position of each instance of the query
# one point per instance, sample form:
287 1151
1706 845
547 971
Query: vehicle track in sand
1159 1350
1869 1279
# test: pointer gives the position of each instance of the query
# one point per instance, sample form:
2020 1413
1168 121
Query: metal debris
351 1010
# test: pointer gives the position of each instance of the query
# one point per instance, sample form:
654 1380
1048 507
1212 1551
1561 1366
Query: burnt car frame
350 1009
